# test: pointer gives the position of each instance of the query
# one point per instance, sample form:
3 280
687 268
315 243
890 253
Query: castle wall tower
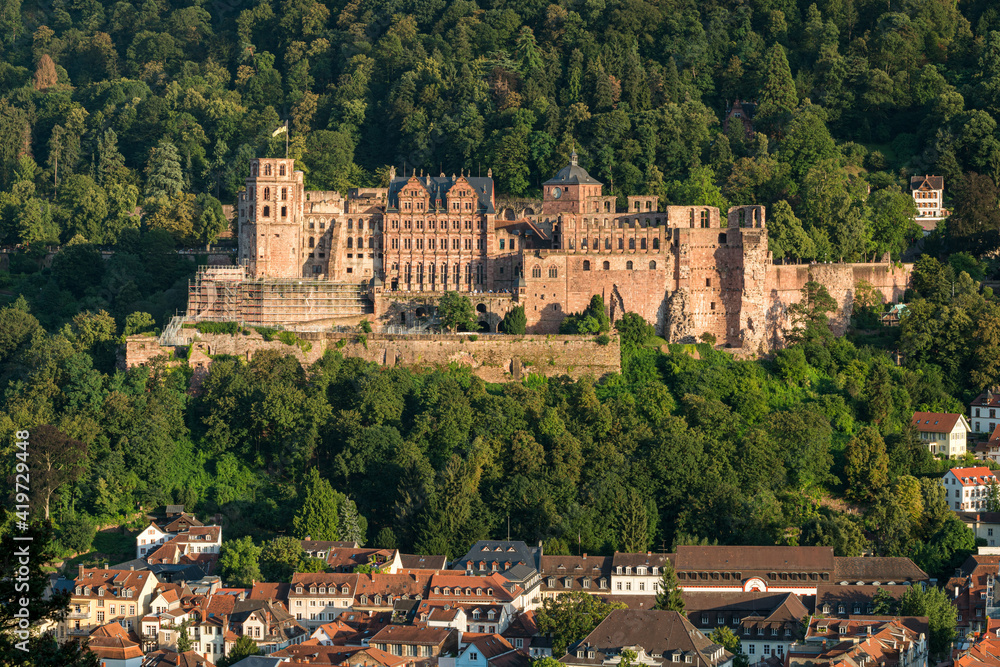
270 219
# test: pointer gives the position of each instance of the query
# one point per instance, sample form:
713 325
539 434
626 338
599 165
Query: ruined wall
785 283
140 350
492 358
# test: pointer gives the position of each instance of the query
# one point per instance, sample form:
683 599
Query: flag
283 128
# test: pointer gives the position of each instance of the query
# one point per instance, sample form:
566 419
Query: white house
983 412
150 539
637 574
486 650
317 598
943 433
968 488
928 195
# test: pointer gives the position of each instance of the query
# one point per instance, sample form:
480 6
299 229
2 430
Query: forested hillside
108 105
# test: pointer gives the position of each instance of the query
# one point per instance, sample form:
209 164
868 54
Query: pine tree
110 161
386 538
669 597
778 96
183 639
163 172
317 517
350 523
45 73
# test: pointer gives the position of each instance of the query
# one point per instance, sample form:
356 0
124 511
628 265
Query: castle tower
568 191
270 219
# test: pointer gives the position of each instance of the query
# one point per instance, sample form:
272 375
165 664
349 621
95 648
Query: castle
313 259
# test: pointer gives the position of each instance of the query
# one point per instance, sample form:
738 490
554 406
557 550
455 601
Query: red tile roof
978 476
934 422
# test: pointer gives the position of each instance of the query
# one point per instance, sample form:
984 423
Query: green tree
455 311
810 316
725 637
353 526
884 604
244 647
164 178
317 518
515 322
569 617
933 603
279 558
138 322
669 596
634 330
386 539
239 562
867 468
786 237
17 326
57 459
184 643
777 97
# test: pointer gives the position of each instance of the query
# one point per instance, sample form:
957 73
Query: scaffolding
228 294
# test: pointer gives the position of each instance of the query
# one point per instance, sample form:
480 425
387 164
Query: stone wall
492 358
140 350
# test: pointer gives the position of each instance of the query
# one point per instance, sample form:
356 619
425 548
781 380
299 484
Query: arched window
586 265
253 169
267 194
704 220
350 223
631 244
742 217
553 272
371 241
281 170
350 242
267 170
312 242
361 243
607 266
652 265
536 271
642 244
267 211
628 265
656 244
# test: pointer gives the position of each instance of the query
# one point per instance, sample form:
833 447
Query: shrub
473 338
603 339
231 328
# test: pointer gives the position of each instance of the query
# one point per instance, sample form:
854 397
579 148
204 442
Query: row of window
629 266
432 224
418 244
419 206
993 413
621 244
267 170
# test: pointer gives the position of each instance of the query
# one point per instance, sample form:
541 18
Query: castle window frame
350 241
267 194
281 170
267 170
284 211
312 242
642 244
350 223
607 244
631 244
501 244
652 264
267 212
656 243
628 265
586 265
284 193
606 266
705 221
553 272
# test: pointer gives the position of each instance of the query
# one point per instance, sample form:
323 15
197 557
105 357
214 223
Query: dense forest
109 108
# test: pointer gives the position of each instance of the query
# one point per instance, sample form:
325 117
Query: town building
317 598
943 433
862 642
928 196
115 646
486 650
986 525
421 643
766 623
973 592
562 574
968 489
100 596
637 574
657 638
487 556
983 412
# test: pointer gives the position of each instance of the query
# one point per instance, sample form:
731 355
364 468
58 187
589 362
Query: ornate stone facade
686 269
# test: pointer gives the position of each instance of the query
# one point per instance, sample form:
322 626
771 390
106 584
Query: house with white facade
984 411
944 433
150 539
986 525
968 489
928 195
318 598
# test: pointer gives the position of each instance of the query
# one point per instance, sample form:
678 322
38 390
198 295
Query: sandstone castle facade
312 259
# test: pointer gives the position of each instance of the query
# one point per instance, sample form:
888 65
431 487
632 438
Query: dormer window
843 629
298 589
322 590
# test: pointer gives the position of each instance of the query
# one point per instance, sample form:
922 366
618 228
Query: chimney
584 556
80 571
